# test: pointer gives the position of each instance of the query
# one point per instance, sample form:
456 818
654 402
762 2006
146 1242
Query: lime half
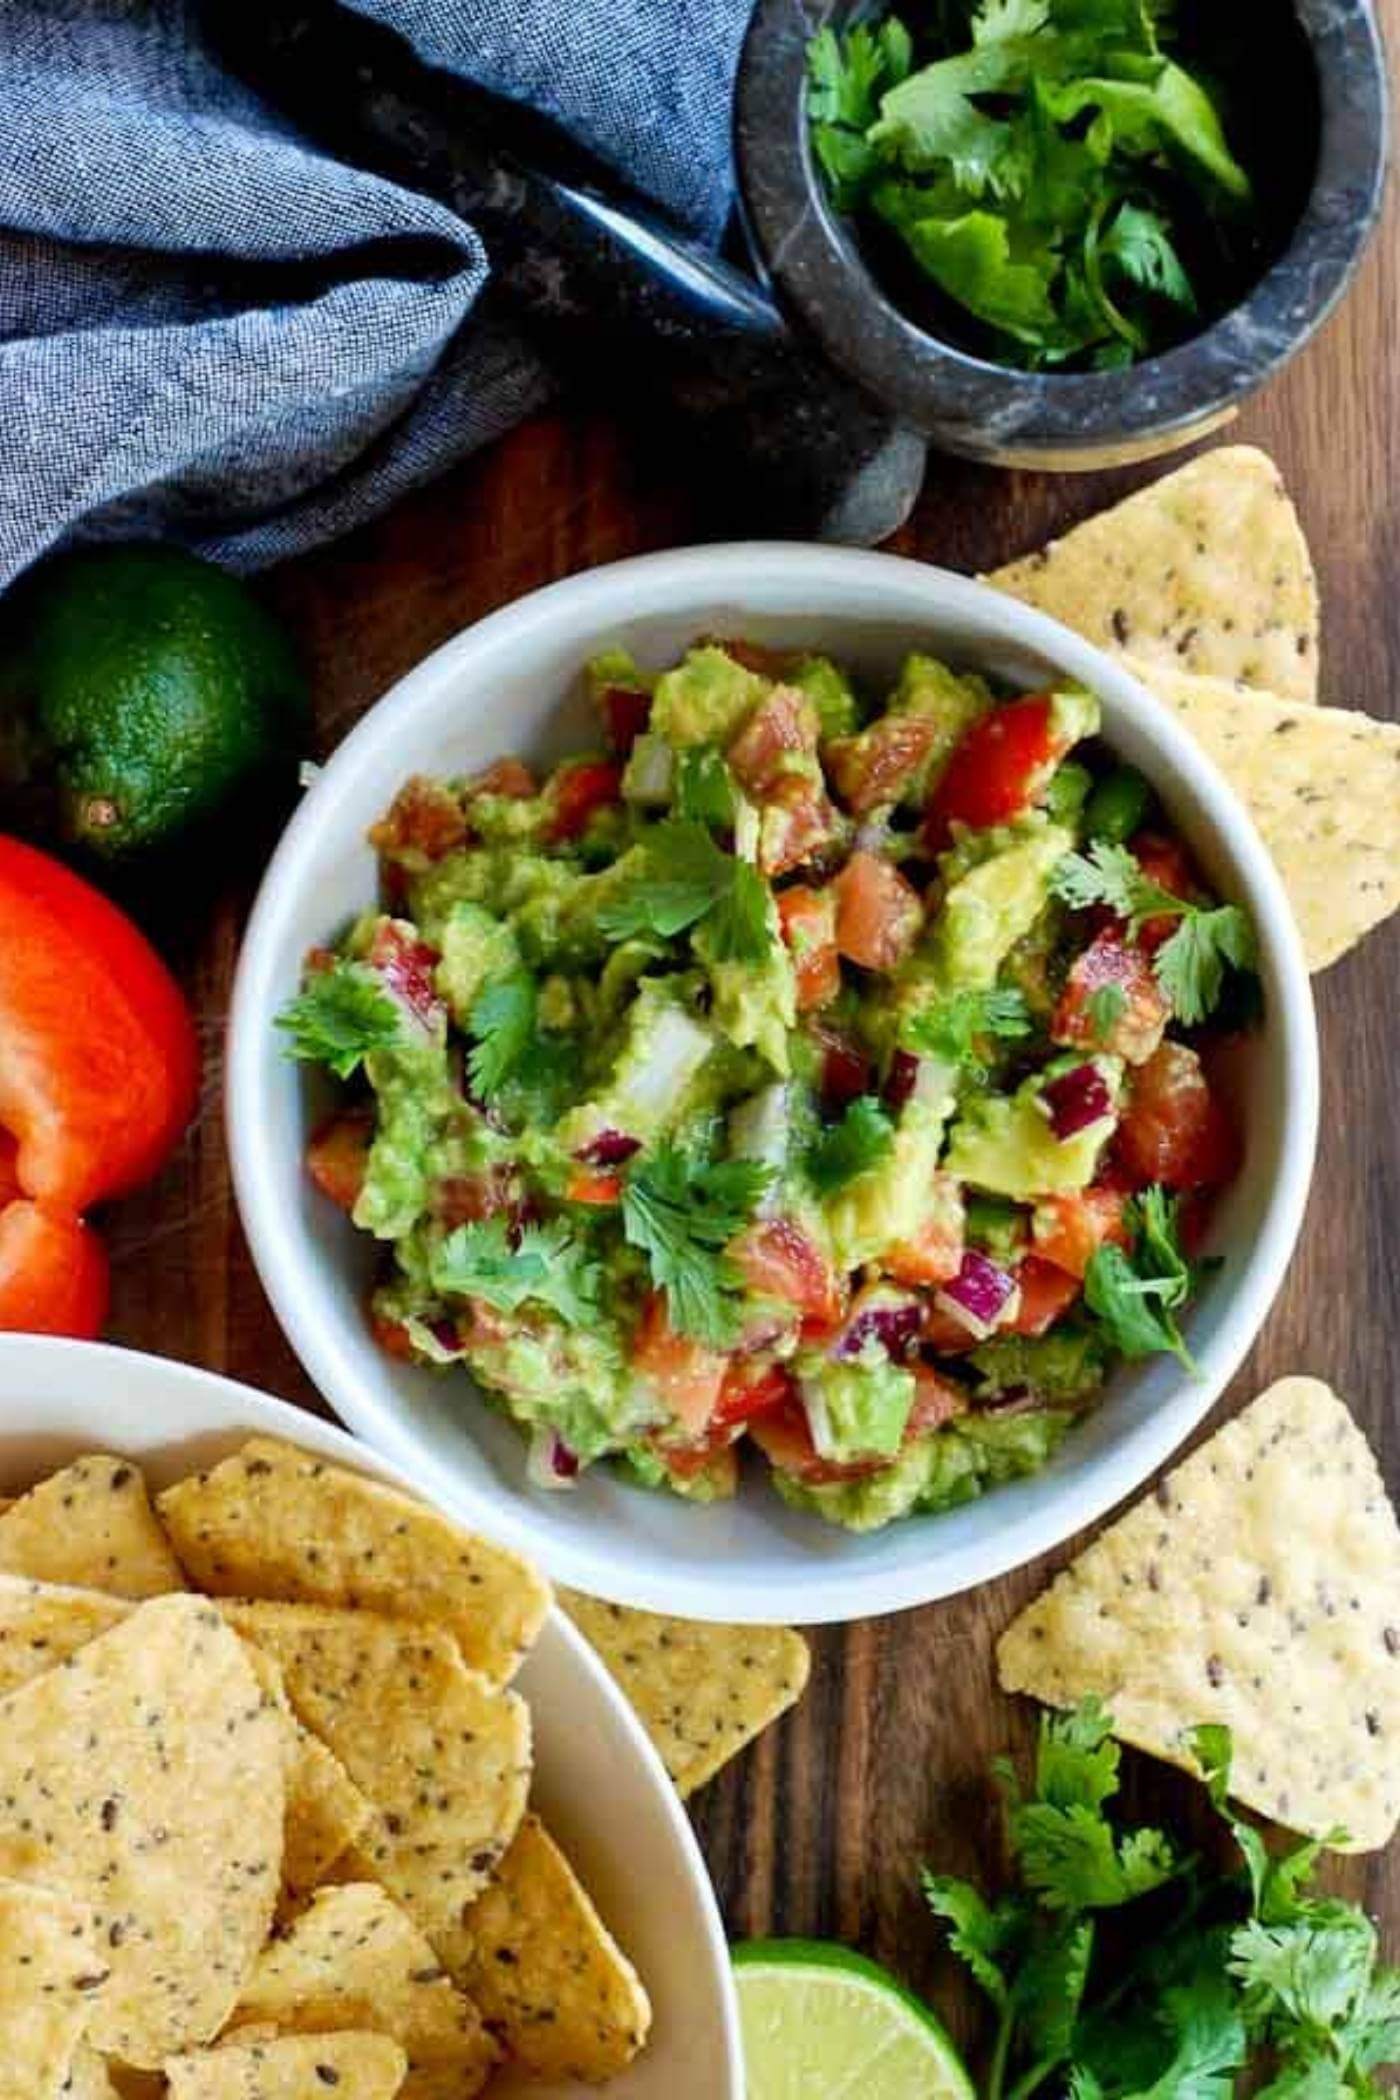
820 2023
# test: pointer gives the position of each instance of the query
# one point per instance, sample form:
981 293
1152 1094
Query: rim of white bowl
828 1590
112 1366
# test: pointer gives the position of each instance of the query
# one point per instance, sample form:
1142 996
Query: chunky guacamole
813 1073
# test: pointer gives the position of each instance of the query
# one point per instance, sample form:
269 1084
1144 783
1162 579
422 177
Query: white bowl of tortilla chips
513 683
363 1776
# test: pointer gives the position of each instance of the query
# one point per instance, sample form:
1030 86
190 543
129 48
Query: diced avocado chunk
511 820
1000 1227
1005 1143
650 773
830 692
951 700
476 947
1066 1367
571 1379
894 1199
707 699
856 1408
414 1099
989 906
619 669
954 1465
651 1083
713 1482
755 1003
1074 714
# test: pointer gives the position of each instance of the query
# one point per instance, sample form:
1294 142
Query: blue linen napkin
207 329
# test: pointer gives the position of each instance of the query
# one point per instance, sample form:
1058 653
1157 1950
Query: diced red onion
609 1149
1076 1099
892 1322
979 1296
901 1079
551 1464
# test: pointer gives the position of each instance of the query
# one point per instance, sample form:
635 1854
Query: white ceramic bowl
511 684
598 1782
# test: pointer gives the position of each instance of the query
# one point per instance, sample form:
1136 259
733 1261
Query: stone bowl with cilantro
775 1079
1062 232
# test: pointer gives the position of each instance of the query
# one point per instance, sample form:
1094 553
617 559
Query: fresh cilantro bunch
1048 168
1120 1968
1191 964
538 1265
681 1211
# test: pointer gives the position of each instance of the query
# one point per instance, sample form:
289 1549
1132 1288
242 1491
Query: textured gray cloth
212 331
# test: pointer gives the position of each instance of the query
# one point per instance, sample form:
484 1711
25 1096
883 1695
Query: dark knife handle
610 293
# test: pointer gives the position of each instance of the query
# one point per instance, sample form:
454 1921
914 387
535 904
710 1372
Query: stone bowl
1318 146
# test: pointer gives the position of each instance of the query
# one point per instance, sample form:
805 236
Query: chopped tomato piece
506 776
1046 1294
936 1401
625 715
808 921
846 1070
1001 766
778 1260
1174 1129
586 1186
798 825
878 913
870 771
710 1455
1112 964
1069 1230
782 728
945 1335
685 1375
423 823
785 1439
750 1391
753 656
577 791
53 1272
935 1254
392 1337
406 966
336 1156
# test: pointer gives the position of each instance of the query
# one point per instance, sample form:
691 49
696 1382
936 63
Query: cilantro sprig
541 1265
957 1026
688 880
502 1023
1120 1968
1191 964
860 1138
681 1211
340 1016
1136 1292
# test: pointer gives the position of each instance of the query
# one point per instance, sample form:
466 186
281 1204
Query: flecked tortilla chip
274 1522
144 1778
1205 570
701 1692
354 2066
87 2078
546 1972
90 1526
441 1751
327 1815
1259 1586
355 1960
1323 787
51 1973
42 1624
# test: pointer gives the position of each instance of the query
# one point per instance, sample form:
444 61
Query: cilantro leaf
739 928
681 1212
953 1028
502 1023
544 1266
978 1934
1140 246
858 1141
705 791
845 78
340 1016
1107 1007
687 879
1134 1293
1190 966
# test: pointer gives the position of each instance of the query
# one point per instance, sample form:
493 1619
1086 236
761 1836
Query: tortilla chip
1323 787
42 1625
50 1976
355 1960
274 1522
546 1972
91 1526
326 1816
358 2066
701 1692
1258 1586
1205 570
396 1704
87 2078
144 1778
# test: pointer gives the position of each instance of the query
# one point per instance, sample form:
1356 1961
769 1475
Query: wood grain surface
822 1827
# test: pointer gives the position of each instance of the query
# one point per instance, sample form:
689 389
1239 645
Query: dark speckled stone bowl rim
985 411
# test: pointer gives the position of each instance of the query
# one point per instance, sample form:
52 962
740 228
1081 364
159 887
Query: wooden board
823 1827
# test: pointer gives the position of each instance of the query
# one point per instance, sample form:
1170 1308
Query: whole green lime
153 685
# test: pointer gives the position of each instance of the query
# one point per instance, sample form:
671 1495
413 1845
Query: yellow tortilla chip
441 1751
1205 570
1323 787
355 1960
548 1975
1258 1586
144 1779
356 2066
701 1692
42 1624
87 2078
51 1974
327 1816
90 1526
274 1522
